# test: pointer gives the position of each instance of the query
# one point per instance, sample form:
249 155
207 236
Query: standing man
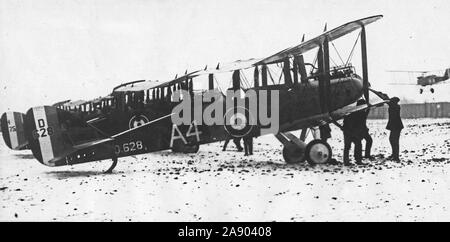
351 135
325 132
365 130
236 141
395 125
355 130
248 140
248 145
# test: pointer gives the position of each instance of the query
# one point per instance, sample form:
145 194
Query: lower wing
326 118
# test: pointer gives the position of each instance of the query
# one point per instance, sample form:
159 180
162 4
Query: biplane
425 80
138 117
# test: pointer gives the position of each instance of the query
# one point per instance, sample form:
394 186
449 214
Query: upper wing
228 67
313 43
404 84
136 86
406 71
296 50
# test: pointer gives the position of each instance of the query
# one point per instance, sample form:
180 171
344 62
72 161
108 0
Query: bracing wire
353 49
270 74
218 86
338 53
244 80
331 58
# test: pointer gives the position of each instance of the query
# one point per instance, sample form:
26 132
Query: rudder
54 134
43 130
12 126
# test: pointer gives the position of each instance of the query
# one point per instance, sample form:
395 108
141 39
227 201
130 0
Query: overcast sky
52 50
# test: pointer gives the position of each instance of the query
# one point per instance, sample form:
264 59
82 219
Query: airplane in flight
426 80
138 117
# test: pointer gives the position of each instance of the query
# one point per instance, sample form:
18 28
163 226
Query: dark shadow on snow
24 156
71 174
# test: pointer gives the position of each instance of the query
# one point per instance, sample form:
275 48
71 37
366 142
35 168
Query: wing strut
211 81
264 76
364 64
287 71
302 69
295 70
256 77
324 77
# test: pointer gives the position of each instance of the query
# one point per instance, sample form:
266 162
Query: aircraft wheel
421 91
191 148
293 154
432 90
180 147
318 152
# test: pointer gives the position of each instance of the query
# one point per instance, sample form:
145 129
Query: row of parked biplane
136 117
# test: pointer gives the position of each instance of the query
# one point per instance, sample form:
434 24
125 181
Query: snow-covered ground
226 186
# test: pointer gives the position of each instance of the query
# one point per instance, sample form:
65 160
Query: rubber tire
311 144
180 147
292 150
191 149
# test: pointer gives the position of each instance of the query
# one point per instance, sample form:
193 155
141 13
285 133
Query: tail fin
53 133
447 73
13 130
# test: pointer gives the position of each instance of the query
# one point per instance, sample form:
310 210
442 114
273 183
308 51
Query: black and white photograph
224 111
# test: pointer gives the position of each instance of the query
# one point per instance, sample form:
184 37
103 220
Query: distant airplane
428 80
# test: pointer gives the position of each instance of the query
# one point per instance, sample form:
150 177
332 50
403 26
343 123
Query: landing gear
432 90
113 165
180 147
293 154
318 152
192 148
295 150
421 91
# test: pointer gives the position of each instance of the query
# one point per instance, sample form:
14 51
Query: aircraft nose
356 84
348 91
355 87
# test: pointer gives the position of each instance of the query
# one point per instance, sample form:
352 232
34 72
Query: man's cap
395 99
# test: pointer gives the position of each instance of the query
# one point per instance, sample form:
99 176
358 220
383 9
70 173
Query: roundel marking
237 123
137 120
